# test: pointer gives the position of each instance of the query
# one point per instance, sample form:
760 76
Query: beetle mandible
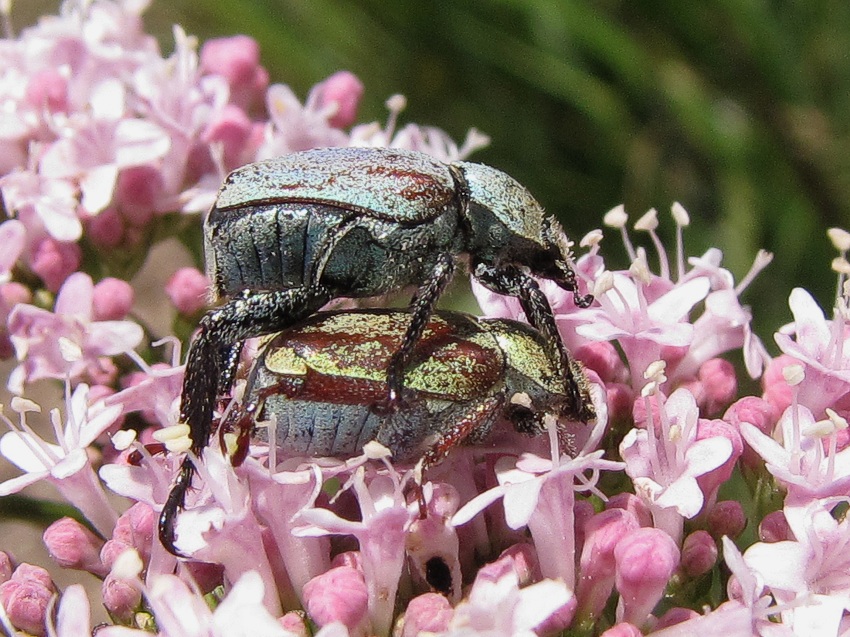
318 381
287 235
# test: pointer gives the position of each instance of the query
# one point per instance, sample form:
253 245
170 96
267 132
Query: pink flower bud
524 561
630 502
719 383
136 193
640 415
675 616
338 595
47 90
71 545
348 558
26 603
774 527
727 518
342 90
759 413
136 527
120 597
777 391
105 229
645 561
430 613
699 553
112 300
32 573
710 482
54 261
237 59
623 629
602 357
596 566
620 400
111 550
293 622
187 289
231 128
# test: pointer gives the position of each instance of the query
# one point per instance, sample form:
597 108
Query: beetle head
507 225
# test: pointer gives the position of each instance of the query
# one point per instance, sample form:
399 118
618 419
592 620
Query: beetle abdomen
321 429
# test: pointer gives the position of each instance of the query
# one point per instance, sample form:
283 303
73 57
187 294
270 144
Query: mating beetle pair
317 384
288 235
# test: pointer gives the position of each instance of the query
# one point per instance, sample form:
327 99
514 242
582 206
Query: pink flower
381 534
66 465
665 460
800 462
338 595
496 605
66 343
822 346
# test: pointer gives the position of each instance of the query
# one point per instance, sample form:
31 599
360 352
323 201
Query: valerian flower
66 343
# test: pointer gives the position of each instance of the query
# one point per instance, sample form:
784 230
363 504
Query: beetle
316 384
287 235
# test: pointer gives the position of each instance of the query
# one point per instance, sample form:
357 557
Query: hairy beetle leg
421 307
512 281
214 352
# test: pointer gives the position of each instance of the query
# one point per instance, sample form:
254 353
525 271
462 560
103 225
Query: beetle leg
230 363
214 349
421 308
510 280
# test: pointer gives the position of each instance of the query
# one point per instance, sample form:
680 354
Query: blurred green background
736 108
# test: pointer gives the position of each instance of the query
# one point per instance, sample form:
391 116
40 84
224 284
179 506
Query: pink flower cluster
108 145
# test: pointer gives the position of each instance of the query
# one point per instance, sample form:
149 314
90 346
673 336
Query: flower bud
121 597
630 502
623 629
727 518
54 261
645 560
774 527
699 554
719 383
603 532
429 613
342 92
112 299
187 289
338 595
26 603
71 545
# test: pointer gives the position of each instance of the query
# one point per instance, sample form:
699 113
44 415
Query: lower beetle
318 382
288 235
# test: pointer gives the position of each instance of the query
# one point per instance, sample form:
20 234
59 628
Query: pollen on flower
680 215
591 239
841 265
840 239
123 438
794 374
22 405
640 270
175 438
616 217
648 222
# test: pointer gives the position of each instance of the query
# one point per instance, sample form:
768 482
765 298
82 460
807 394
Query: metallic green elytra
318 382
